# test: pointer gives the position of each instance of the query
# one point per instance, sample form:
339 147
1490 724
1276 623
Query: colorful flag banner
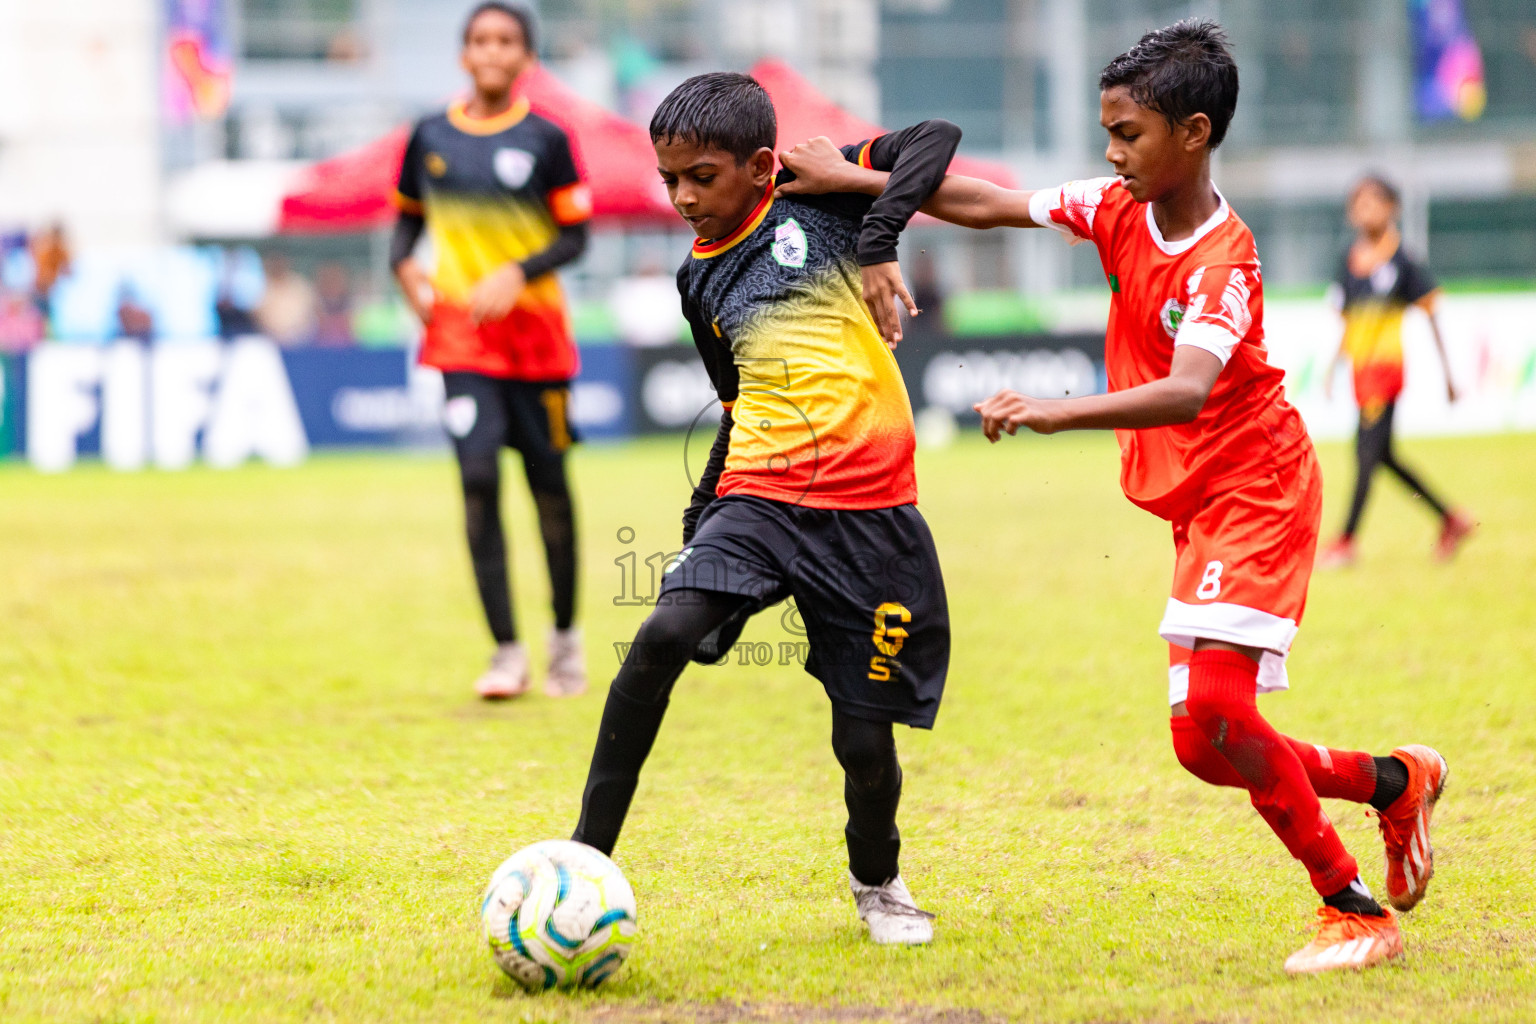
1448 79
197 60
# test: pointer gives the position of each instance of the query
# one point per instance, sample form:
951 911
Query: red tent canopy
804 112
351 192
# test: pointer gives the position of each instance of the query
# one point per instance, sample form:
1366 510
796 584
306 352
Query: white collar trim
1183 245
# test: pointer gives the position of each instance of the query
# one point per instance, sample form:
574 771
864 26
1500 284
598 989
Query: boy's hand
883 289
417 288
497 292
1009 410
819 167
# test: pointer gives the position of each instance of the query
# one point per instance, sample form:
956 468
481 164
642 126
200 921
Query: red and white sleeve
1070 208
1219 305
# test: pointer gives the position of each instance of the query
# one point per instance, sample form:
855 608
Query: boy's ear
762 164
1197 132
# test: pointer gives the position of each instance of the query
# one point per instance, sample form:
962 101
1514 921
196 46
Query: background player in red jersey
496 187
1377 283
1210 444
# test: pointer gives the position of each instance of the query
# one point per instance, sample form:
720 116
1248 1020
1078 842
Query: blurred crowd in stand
53 290
47 293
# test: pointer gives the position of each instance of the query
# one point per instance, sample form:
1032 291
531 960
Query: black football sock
488 549
624 741
1391 782
557 527
637 702
872 792
1355 898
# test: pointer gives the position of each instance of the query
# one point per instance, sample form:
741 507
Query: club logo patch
435 164
1172 316
513 166
789 247
459 415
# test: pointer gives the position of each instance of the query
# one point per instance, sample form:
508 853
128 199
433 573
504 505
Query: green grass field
243 776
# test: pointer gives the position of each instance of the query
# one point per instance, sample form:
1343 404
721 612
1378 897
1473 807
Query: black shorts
867 586
485 414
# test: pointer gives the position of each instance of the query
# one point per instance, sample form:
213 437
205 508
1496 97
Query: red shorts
1242 564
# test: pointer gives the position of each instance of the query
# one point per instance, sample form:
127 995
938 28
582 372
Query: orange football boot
1347 942
1405 825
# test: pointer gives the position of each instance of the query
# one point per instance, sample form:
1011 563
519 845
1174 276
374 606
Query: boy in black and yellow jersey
809 490
1378 282
496 188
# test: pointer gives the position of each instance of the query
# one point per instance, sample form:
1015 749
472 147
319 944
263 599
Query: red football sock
1222 702
1337 774
1199 758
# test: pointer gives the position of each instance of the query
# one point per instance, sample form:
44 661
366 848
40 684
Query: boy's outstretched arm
1177 398
820 167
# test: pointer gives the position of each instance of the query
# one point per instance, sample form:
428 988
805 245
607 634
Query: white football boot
567 676
507 676
892 917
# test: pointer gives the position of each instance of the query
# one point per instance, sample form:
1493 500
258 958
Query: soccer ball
559 913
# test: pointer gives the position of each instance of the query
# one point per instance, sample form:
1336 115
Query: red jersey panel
1206 291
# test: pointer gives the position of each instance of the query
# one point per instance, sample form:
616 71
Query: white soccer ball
559 914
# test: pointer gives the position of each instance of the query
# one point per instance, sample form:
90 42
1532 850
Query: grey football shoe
567 676
507 676
890 913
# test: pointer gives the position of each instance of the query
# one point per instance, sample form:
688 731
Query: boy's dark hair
517 12
719 110
1379 182
1179 71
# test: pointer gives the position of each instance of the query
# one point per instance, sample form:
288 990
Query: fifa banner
172 404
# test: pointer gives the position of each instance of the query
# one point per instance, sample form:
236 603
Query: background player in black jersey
496 187
1377 284
809 490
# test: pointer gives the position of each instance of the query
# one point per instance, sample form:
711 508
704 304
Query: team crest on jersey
513 166
1172 316
789 246
435 164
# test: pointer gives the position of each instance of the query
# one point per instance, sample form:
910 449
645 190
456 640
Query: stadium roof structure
805 112
352 191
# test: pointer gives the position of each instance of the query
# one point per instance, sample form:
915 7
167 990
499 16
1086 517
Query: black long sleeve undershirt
408 229
917 158
704 490
569 244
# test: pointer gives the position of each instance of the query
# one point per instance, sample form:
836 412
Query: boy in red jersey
496 188
1209 443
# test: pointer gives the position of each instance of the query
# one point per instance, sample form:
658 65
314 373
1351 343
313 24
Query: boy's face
707 186
1151 156
495 52
1370 211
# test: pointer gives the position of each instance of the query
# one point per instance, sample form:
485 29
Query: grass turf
243 777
